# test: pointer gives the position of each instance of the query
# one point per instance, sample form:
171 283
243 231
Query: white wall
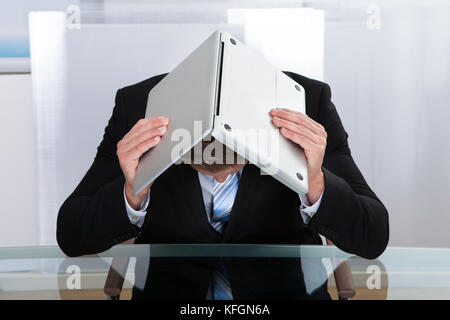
18 213
390 86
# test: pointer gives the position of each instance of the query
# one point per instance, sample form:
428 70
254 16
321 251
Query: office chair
116 275
117 271
343 279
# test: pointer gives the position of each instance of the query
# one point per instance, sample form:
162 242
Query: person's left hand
309 135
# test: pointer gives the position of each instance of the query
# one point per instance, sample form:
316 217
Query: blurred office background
387 63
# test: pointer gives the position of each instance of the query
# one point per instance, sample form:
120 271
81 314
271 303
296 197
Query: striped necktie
223 199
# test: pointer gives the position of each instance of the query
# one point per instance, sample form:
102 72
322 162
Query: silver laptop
225 90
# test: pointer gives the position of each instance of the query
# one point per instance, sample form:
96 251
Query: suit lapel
244 198
189 186
191 190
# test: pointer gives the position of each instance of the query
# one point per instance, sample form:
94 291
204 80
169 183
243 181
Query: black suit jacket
94 217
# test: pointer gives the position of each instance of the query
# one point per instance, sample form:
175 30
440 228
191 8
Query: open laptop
225 90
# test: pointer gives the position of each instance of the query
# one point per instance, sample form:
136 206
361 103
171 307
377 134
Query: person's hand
144 135
309 135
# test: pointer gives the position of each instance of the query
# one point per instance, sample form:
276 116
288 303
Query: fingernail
164 120
156 138
162 129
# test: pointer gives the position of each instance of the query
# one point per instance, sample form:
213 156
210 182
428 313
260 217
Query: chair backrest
116 275
343 278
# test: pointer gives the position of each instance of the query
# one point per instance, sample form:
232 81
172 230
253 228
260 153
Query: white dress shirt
137 217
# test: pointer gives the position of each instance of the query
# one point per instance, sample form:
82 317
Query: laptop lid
250 87
187 97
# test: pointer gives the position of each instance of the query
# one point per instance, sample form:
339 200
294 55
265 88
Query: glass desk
255 272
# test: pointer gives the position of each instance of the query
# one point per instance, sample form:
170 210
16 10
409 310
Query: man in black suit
176 208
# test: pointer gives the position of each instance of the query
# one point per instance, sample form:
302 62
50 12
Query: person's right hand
144 135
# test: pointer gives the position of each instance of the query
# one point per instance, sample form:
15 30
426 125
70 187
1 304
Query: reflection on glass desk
184 271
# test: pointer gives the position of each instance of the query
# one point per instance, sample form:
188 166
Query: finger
305 116
144 136
299 118
145 124
302 141
140 149
298 129
295 113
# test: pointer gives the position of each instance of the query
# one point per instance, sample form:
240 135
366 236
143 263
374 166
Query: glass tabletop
187 271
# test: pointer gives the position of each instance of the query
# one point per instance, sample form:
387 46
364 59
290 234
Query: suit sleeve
94 217
350 214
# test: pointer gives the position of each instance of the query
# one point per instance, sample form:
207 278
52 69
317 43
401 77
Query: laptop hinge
219 79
